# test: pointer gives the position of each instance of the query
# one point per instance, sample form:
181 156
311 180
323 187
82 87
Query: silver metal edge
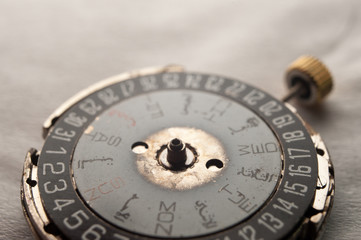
31 202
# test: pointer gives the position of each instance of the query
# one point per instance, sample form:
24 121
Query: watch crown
311 77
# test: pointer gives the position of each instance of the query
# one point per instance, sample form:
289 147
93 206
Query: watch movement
163 153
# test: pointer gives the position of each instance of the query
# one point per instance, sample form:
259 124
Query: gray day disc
116 186
249 171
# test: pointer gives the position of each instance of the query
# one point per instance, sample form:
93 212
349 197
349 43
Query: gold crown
314 74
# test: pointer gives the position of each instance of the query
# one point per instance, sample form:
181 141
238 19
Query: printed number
95 232
270 107
298 153
270 222
235 89
52 170
63 135
75 220
293 136
170 80
61 203
248 233
89 106
302 171
127 88
62 151
214 83
283 121
296 189
253 97
74 120
285 206
55 188
193 81
148 83
107 96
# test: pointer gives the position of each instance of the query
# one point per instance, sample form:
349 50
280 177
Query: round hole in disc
214 164
139 147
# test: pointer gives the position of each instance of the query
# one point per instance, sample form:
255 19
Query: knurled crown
314 74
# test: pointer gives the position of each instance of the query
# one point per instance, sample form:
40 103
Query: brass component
309 80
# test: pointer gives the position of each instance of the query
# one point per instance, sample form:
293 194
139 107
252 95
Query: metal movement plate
98 179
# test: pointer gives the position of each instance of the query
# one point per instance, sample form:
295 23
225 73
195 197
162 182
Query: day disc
173 154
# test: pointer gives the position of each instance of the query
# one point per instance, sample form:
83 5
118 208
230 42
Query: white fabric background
49 50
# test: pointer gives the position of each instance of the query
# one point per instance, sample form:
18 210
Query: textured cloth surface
49 50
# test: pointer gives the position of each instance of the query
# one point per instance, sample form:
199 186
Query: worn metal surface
52 49
205 146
